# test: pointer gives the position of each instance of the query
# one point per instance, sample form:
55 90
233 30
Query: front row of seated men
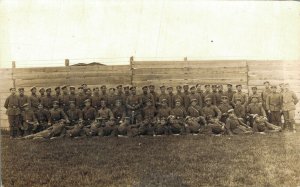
147 121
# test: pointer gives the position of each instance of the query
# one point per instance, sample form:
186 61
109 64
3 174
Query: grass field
252 160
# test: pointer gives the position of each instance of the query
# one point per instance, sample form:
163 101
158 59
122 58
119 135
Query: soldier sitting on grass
235 126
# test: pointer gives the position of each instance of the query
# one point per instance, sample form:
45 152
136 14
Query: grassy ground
252 160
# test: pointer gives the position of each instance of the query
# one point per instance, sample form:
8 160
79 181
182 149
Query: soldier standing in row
240 95
47 101
33 99
216 95
65 98
163 95
119 96
255 94
178 95
23 98
43 117
80 98
229 93
57 96
171 103
72 96
154 94
289 101
274 106
12 105
147 125
133 105
264 96
145 96
194 95
42 93
186 93
96 99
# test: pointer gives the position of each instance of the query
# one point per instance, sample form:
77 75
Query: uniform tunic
42 115
80 98
211 110
96 101
178 112
149 112
57 114
164 112
194 111
89 113
105 113
34 101
74 114
47 101
256 108
23 99
240 95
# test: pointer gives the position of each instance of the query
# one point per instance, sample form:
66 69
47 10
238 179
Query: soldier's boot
101 132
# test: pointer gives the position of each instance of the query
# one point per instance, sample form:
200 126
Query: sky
45 32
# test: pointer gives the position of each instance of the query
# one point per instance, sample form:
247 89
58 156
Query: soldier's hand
269 111
49 124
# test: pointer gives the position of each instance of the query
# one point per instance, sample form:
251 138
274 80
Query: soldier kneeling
29 120
146 127
176 119
162 125
106 120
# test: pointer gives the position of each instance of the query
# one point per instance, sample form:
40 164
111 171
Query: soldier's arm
263 111
268 102
80 114
127 104
219 113
233 99
111 115
63 115
295 98
6 103
200 101
227 126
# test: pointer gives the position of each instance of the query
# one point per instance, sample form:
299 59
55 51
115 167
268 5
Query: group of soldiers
121 111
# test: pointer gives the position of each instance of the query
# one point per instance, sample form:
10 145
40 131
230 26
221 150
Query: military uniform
65 101
261 124
29 121
256 108
96 101
197 97
289 101
12 105
43 117
107 126
236 126
208 94
119 114
56 115
274 105
240 95
161 126
177 123
34 102
147 125
145 97
23 99
47 102
224 107
133 104
240 111
80 98
89 114
74 115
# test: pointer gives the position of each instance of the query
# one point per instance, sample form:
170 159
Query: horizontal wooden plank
240 77
182 64
159 70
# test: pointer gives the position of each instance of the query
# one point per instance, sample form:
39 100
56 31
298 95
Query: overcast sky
43 33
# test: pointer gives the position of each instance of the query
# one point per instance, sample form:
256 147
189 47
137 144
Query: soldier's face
198 88
207 88
96 91
229 87
55 105
162 89
72 106
267 85
126 90
145 90
254 100
151 88
224 100
87 104
220 88
111 91
194 103
21 92
118 104
103 104
72 91
119 89
32 91
57 91
80 90
214 88
254 91
178 89
65 90
185 88
48 92
40 107
164 104
133 91
274 90
170 90
89 92
42 92
103 89
193 90
208 102
239 88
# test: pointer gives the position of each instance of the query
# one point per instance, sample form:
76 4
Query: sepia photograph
149 93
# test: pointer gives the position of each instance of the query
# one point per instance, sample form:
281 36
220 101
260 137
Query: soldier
261 125
57 96
178 114
96 98
161 126
256 108
178 95
80 98
163 95
33 99
57 115
171 103
65 98
126 92
88 93
154 94
29 121
119 96
254 93
220 90
235 126
106 120
133 105
281 86
274 106
89 113
229 93
212 116
239 110
42 93
186 93
74 114
72 95
145 96
103 94
119 112
47 101
85 88
289 101
216 95
111 97
12 105
239 95
146 127
194 95
43 117
224 107
195 117
264 96
208 94
23 98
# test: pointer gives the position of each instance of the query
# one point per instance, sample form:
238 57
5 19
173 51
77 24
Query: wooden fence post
67 62
13 66
131 69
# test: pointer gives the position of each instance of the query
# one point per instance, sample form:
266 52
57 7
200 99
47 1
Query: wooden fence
247 73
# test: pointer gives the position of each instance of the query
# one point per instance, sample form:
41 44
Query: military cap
55 102
266 82
207 85
220 86
178 100
238 85
193 99
64 86
72 87
164 100
88 100
169 87
42 88
103 86
238 99
83 84
21 89
132 87
48 88
24 105
72 102
125 86
112 89
229 84
151 86
40 104
254 87
80 87
198 85
95 88
273 86
230 111
254 96
144 87
178 86
33 87
162 86
119 86
192 87
286 84
118 101
207 98
224 96
57 88
184 85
